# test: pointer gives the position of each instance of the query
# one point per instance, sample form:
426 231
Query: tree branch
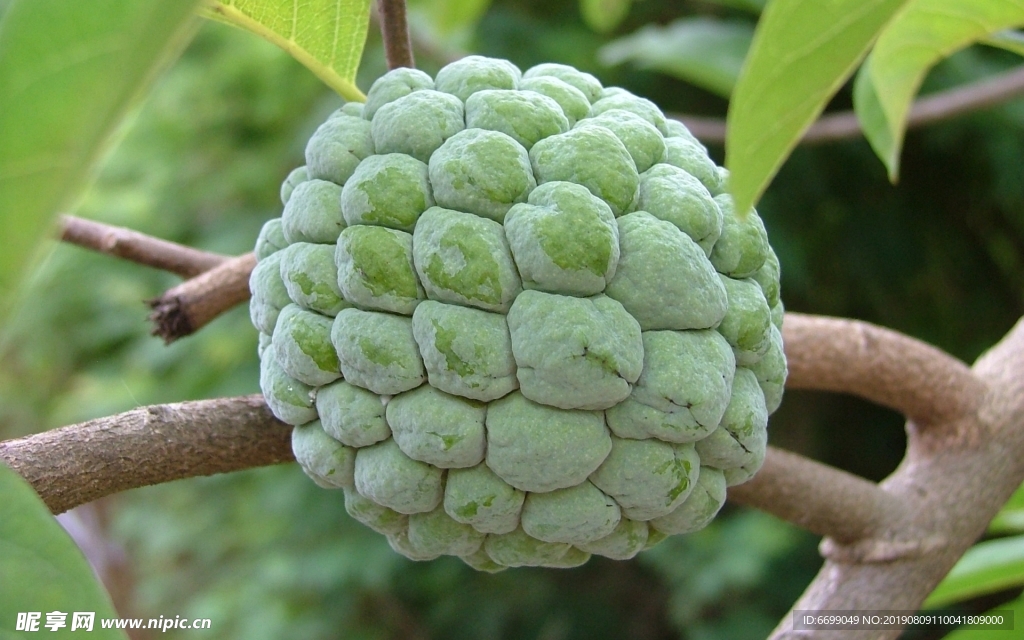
953 491
915 525
149 445
160 443
944 105
137 247
822 499
216 283
819 498
395 30
894 370
190 306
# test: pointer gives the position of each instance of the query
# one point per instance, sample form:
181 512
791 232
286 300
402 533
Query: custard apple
515 319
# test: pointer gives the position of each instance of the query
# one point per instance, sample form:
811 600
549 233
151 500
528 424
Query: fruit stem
395 29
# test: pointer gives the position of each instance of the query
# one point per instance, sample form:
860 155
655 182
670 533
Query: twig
894 370
216 283
188 307
149 445
395 30
845 125
137 247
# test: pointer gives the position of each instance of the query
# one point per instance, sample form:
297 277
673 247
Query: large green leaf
985 568
704 51
68 73
801 55
41 569
923 33
327 36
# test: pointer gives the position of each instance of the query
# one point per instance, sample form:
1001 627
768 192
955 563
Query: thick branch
137 247
188 307
395 30
149 445
819 498
954 492
889 368
80 463
891 543
824 500
944 105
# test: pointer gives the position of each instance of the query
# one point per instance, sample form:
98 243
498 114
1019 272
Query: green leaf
869 110
604 15
41 569
1010 40
69 72
985 568
1010 518
1017 606
925 32
801 55
704 51
753 6
327 36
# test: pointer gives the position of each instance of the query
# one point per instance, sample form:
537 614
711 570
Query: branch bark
819 498
190 306
953 492
886 367
890 544
215 284
824 500
80 463
940 106
137 247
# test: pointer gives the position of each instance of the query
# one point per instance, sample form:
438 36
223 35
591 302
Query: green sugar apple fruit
515 319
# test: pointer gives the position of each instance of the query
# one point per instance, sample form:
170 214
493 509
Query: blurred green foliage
266 554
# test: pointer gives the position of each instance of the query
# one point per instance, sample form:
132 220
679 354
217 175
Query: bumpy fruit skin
515 318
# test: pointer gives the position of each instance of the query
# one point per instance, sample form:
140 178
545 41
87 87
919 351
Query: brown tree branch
216 283
953 492
891 543
894 370
819 498
822 499
137 247
149 445
394 28
188 307
944 105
